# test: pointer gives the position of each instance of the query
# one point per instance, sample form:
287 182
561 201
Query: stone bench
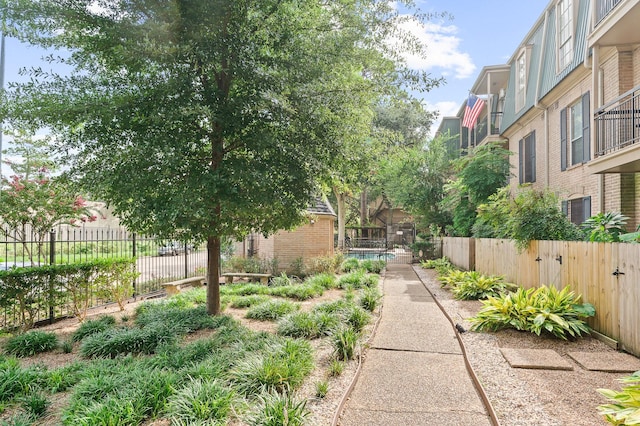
174 287
229 276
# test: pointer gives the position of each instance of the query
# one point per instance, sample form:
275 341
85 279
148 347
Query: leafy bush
605 227
308 325
31 343
122 341
94 326
625 404
370 298
243 289
179 320
248 301
325 264
452 277
275 409
281 280
442 265
304 291
350 264
200 401
357 318
35 404
476 286
272 310
281 368
15 381
353 280
324 280
345 341
531 215
535 310
373 266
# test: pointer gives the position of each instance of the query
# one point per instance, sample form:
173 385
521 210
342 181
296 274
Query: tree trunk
213 275
340 196
364 216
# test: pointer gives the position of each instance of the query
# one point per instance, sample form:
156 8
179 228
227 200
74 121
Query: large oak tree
211 118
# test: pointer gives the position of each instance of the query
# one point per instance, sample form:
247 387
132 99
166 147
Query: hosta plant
624 408
547 309
476 286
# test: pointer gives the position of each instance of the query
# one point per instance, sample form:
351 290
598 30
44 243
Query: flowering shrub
36 205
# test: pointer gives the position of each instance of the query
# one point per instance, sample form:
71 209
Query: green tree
415 178
478 175
210 118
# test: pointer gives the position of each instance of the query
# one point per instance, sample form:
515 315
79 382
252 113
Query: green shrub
322 388
200 401
476 286
345 342
123 341
298 291
243 289
31 343
274 409
370 298
373 266
180 320
241 302
94 326
535 310
442 265
308 325
350 264
272 310
355 280
325 280
280 368
625 404
605 227
357 318
281 280
35 404
336 367
16 381
324 264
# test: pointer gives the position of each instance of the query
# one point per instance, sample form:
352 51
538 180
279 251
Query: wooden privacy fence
607 275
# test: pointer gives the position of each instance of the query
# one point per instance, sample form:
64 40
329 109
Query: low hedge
27 294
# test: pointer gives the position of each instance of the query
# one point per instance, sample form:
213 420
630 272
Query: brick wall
307 241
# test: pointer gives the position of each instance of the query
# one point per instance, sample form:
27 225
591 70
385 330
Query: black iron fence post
186 257
135 265
52 260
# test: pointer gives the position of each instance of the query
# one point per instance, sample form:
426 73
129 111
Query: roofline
532 30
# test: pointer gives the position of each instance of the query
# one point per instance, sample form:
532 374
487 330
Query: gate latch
617 272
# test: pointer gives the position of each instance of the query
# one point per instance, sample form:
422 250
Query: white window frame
575 133
564 11
521 80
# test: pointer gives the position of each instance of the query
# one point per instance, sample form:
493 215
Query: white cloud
442 49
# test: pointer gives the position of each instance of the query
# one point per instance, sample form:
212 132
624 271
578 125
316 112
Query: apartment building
567 104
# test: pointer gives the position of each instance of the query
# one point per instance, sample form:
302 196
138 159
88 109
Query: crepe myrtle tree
213 117
32 207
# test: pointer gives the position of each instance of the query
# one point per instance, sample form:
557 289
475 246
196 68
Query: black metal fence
157 261
391 244
617 124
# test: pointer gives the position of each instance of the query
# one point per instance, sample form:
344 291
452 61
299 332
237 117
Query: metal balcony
603 7
617 124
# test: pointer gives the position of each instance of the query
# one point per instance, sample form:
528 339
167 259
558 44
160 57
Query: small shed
312 239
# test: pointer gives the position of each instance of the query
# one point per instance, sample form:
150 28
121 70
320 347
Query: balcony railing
603 7
617 124
480 132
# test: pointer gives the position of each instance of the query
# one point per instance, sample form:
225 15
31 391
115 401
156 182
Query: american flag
472 111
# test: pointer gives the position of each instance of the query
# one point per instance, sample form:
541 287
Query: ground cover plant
171 360
624 405
472 285
543 309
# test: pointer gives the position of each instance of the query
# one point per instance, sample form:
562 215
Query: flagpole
2 47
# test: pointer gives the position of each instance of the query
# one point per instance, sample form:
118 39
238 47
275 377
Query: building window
575 133
565 30
578 210
575 130
521 76
527 159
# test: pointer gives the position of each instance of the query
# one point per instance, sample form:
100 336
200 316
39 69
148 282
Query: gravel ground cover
527 396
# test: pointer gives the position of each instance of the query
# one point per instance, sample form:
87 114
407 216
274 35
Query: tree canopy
212 118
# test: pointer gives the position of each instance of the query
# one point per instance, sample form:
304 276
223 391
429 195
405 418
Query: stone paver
545 359
612 362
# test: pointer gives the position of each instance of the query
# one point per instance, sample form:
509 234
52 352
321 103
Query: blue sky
480 33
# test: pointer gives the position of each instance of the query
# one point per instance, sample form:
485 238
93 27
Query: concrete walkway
414 371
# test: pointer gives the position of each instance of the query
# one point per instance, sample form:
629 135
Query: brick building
312 239
567 104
